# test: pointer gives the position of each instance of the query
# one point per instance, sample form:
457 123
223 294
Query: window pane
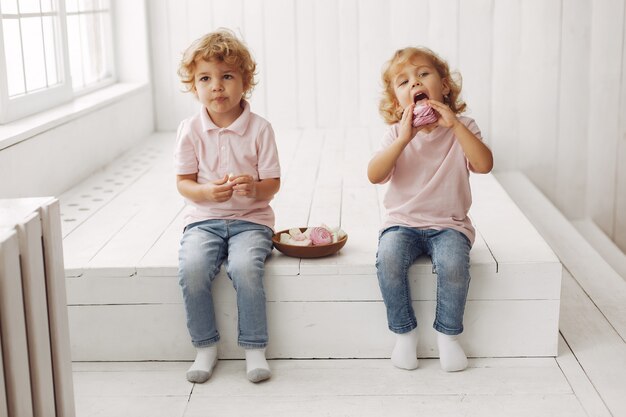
32 44
73 40
29 6
87 5
92 58
88 37
48 6
12 50
49 36
8 6
71 6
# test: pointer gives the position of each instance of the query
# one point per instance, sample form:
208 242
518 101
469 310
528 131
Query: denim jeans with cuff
203 248
398 248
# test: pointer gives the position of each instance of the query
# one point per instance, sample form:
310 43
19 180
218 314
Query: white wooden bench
121 231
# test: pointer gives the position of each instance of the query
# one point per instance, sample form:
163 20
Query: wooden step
121 263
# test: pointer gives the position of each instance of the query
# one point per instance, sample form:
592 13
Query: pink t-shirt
247 146
429 184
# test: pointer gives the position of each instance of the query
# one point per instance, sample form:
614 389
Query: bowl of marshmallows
310 242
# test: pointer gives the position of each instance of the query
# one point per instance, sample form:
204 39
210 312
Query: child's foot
451 355
404 353
202 368
257 368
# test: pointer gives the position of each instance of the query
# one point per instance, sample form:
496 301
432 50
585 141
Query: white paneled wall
543 78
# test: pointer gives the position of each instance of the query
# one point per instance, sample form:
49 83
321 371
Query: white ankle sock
451 355
257 368
202 368
404 353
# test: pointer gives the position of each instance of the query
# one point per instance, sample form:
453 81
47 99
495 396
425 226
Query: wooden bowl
316 251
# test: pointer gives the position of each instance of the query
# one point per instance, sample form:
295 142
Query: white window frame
14 108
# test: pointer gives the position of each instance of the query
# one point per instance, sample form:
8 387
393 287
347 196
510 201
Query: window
52 51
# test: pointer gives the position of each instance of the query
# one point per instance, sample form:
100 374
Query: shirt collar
239 126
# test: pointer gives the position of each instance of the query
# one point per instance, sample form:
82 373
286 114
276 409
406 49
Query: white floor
490 387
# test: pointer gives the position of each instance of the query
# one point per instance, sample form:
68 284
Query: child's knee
246 274
453 271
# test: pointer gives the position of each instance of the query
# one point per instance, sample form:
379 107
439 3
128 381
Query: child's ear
446 87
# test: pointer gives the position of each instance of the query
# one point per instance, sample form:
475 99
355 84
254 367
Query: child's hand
407 131
244 185
447 118
219 190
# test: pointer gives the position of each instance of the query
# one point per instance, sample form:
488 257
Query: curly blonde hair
389 107
221 45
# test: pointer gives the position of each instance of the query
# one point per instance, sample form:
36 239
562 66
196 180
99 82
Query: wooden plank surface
57 309
327 58
597 346
13 327
324 181
4 411
281 83
312 285
517 387
505 121
605 63
475 50
571 178
125 190
443 30
607 248
493 212
593 313
597 278
349 91
318 329
403 18
540 36
582 387
36 313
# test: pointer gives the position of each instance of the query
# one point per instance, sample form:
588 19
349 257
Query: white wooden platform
586 379
121 230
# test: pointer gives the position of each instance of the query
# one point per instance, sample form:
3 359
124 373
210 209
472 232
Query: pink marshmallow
320 236
423 115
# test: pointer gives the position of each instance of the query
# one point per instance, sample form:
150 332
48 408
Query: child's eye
205 78
403 82
423 74
228 77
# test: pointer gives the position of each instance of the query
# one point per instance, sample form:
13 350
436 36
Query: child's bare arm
219 190
383 162
477 153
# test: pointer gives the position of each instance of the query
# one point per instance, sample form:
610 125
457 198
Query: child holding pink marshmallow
426 156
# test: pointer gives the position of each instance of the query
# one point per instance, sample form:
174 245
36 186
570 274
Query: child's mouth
419 97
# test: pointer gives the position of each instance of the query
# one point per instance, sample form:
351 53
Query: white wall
543 78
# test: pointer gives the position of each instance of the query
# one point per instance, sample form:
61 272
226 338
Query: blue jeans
398 248
203 248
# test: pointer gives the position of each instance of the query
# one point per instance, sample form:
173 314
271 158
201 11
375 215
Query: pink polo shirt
247 146
429 184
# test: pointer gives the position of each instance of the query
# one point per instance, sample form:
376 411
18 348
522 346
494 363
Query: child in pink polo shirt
428 198
227 170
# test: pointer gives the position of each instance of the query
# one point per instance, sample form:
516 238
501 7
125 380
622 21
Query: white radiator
36 369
